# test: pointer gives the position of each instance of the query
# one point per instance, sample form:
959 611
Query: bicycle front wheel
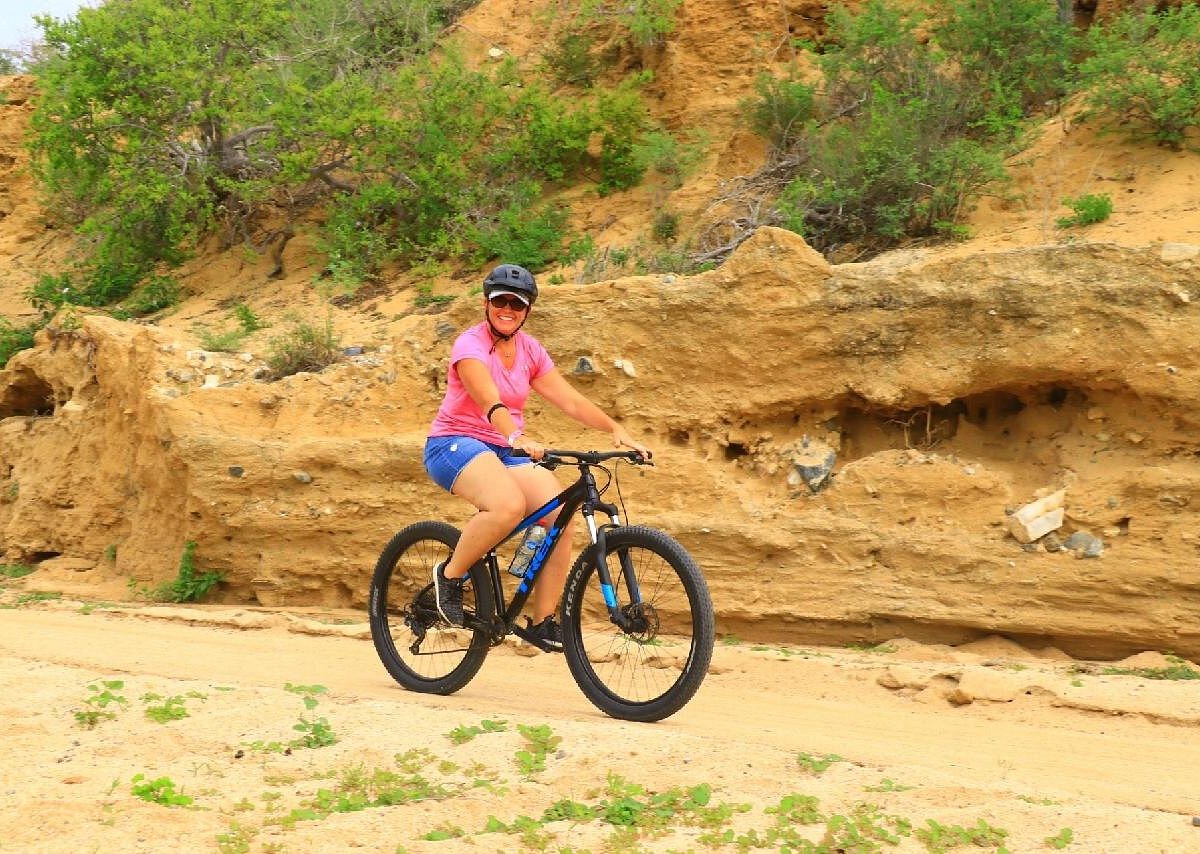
419 649
650 670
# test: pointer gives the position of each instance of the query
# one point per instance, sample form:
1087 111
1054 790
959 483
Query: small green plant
1089 209
817 765
1176 669
219 340
165 709
463 734
1042 802
304 348
34 596
882 648
247 320
570 60
887 785
939 838
228 340
796 809
15 338
189 585
444 831
159 791
1062 839
155 294
666 226
14 570
98 701
540 741
236 840
110 553
316 731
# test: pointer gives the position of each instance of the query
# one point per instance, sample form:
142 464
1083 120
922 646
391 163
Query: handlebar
555 457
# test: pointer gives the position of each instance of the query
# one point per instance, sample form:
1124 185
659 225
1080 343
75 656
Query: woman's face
506 312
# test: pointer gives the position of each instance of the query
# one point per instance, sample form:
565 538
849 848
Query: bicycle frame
582 497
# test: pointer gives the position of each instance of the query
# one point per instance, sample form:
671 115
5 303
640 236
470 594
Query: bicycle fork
629 619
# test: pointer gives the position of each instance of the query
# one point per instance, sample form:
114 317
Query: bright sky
17 28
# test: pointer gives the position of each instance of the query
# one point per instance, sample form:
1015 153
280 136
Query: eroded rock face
949 390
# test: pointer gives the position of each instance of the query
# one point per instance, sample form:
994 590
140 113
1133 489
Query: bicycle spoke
419 649
658 661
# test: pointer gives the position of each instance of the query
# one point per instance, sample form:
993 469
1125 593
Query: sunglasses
506 301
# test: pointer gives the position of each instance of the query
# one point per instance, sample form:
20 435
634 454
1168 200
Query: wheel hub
642 623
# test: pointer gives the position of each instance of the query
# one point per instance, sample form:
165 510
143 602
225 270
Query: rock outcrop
951 390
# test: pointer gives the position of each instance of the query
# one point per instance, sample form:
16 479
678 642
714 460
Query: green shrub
247 320
889 174
896 145
304 348
1012 58
781 109
666 226
531 238
189 585
228 340
359 235
155 294
1142 74
14 338
1089 209
625 121
671 156
647 22
235 110
570 60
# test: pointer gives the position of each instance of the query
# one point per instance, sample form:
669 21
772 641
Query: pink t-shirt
458 414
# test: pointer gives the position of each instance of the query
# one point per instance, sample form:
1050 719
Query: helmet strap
497 335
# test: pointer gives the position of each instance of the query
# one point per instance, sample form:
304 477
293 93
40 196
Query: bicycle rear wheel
651 671
417 647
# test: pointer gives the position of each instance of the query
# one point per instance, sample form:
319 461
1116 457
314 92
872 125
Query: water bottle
528 548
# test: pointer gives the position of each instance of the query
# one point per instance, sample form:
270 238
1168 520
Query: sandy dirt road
940 741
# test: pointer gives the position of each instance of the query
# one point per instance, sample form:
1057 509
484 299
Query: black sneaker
549 633
448 593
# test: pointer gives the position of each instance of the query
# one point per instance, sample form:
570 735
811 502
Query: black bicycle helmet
510 277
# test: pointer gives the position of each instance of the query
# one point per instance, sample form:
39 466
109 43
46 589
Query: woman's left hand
622 439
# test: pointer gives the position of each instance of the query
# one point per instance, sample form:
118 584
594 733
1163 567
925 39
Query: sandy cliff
953 385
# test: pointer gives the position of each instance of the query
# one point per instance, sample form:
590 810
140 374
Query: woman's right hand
536 450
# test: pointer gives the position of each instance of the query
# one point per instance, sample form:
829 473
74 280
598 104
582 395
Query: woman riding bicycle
469 452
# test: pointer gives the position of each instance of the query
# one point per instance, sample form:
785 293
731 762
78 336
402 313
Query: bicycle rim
416 646
652 671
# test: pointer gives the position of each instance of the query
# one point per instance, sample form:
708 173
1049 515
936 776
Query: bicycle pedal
526 634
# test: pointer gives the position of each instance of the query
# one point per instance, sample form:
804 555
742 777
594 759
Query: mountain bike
637 618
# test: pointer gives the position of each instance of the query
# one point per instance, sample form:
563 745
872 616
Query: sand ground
986 736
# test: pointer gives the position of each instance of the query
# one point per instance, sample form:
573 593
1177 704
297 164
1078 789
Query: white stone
1179 252
1038 518
626 367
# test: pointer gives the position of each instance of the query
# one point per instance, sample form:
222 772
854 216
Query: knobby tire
649 674
400 588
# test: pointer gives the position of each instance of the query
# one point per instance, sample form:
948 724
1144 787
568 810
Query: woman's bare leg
539 485
487 484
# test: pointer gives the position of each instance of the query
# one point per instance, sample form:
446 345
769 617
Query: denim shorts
447 456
